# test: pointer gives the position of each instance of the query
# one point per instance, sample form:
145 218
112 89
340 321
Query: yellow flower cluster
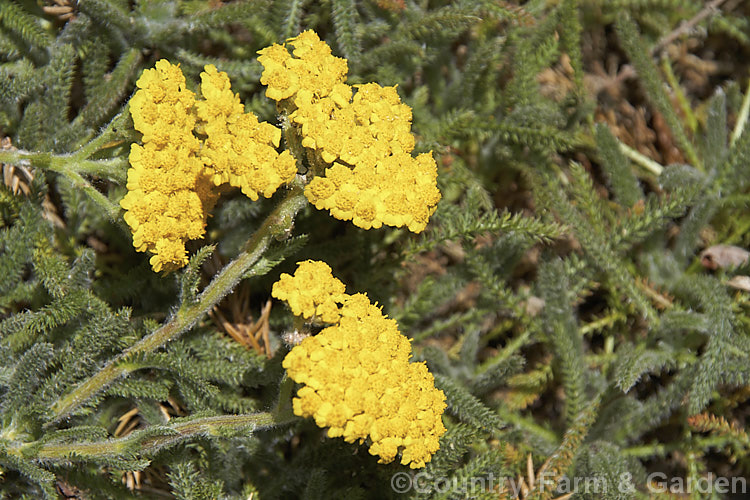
312 69
312 291
358 129
239 150
172 176
366 136
399 191
168 195
358 381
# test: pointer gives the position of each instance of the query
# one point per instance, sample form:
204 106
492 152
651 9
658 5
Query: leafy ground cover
579 295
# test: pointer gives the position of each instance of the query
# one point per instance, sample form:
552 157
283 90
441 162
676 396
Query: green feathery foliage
567 295
649 75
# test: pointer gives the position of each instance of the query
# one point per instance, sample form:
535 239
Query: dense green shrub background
588 151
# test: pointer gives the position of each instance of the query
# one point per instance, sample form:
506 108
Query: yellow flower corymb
364 129
374 125
312 69
173 175
399 190
358 382
239 150
312 291
167 201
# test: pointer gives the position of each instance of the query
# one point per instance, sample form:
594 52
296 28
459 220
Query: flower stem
642 160
277 225
148 441
283 410
739 128
105 204
71 167
112 168
115 130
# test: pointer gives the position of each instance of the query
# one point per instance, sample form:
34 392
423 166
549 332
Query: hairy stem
276 225
146 441
71 167
111 209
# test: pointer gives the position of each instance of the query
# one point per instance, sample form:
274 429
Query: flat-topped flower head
167 202
367 133
311 68
363 128
356 128
239 150
173 175
161 107
311 291
357 381
399 190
